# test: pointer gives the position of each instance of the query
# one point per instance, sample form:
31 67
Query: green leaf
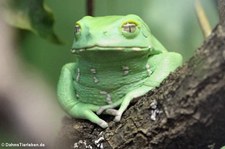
31 15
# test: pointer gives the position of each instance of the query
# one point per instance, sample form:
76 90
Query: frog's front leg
127 99
69 101
158 68
109 109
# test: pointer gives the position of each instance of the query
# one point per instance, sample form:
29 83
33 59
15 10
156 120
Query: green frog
117 59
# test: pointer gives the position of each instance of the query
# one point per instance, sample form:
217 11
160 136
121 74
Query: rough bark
186 111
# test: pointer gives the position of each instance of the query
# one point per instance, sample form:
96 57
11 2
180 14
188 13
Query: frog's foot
86 111
113 112
106 109
126 101
109 109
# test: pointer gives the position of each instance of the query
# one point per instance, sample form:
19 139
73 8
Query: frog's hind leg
127 99
69 101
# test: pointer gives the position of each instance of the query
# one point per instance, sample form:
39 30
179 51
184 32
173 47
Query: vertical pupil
129 27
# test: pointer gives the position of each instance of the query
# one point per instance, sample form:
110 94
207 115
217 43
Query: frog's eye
129 27
77 29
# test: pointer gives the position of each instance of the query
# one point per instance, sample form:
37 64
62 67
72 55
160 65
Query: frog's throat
109 48
107 78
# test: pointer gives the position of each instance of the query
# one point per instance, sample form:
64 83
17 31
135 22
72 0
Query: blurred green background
31 103
173 22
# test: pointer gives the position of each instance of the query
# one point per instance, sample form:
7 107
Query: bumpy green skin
113 67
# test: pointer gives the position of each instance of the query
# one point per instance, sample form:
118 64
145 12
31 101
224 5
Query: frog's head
111 33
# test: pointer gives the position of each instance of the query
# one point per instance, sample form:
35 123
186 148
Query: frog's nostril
106 33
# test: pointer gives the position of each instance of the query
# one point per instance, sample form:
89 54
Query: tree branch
89 7
186 111
221 4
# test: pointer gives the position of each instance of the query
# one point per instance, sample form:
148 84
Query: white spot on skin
103 92
78 74
125 67
82 50
108 97
95 79
136 49
119 48
93 70
77 96
148 69
125 70
73 50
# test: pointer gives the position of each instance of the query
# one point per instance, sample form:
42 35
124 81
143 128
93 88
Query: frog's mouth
102 48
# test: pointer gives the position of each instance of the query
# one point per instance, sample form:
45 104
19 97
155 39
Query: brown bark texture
186 111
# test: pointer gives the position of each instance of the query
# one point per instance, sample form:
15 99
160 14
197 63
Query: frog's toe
111 112
118 117
110 109
91 116
103 124
85 111
105 109
100 110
